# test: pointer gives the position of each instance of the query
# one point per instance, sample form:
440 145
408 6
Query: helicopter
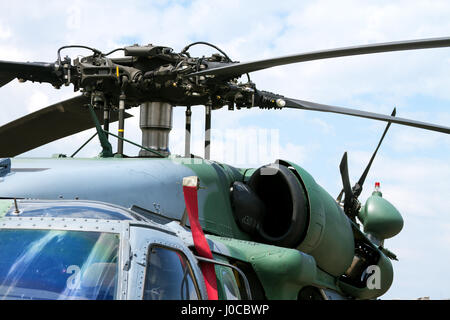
162 226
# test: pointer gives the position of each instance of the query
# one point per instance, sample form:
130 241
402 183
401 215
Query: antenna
16 211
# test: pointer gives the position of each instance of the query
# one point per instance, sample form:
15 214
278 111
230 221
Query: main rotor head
156 74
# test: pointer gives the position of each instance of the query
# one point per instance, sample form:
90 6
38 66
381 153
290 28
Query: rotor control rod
106 117
208 109
187 138
106 120
121 124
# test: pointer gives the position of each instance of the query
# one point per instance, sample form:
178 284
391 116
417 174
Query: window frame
119 227
178 251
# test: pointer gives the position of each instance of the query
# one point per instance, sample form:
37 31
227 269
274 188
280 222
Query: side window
169 276
230 289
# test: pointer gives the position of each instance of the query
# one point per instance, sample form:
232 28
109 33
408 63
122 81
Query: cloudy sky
413 164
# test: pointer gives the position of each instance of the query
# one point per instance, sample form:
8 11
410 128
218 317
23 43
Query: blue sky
413 164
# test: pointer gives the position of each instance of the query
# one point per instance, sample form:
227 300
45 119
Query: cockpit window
169 276
52 264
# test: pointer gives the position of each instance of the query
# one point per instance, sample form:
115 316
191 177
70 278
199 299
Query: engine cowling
298 213
286 205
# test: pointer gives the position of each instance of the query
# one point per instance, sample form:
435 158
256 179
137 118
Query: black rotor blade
48 124
5 78
307 105
237 69
343 167
33 71
357 188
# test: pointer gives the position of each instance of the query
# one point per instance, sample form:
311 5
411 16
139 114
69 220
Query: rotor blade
357 189
237 69
5 78
343 167
33 71
307 105
46 125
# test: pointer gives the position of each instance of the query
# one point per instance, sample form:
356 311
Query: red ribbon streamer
200 243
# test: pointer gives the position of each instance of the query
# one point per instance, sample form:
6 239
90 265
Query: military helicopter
162 226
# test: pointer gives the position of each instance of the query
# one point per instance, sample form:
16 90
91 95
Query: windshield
53 264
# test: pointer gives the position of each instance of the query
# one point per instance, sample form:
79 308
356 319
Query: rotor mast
156 124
